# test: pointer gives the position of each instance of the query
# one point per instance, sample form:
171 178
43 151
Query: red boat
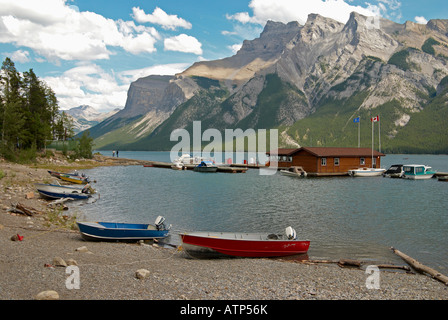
244 244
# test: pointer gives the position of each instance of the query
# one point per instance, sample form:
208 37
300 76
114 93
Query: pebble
82 249
47 295
142 273
59 262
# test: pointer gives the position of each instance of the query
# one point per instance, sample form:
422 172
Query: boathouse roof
328 152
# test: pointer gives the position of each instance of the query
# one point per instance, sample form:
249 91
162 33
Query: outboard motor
290 233
160 223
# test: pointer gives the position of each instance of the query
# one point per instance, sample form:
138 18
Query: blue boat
117 231
206 166
54 191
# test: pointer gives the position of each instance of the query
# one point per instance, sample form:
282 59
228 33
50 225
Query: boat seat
151 227
272 236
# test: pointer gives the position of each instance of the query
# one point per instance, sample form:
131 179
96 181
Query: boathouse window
323 161
336 161
363 161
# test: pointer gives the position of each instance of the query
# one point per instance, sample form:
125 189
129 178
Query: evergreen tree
38 113
28 111
11 112
84 146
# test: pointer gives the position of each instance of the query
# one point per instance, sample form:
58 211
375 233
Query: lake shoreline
107 271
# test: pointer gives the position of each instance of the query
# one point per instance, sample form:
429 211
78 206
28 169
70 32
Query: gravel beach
108 270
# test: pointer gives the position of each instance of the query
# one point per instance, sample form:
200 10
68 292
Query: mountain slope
310 81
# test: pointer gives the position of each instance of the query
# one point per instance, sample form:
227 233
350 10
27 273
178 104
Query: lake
344 217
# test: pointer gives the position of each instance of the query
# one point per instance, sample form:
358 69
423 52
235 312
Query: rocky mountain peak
292 71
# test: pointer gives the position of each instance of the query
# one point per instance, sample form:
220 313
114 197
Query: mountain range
308 81
84 117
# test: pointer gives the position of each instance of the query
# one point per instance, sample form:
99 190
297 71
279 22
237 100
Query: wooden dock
223 168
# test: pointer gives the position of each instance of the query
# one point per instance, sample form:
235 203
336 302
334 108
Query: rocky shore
56 260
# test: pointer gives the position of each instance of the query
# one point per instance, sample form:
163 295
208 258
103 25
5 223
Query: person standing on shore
113 153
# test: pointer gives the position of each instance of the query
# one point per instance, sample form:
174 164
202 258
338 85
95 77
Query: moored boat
58 174
366 172
418 172
294 171
74 179
206 166
117 231
54 191
254 245
394 171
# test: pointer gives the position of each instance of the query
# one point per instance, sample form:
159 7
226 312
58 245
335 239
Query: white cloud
57 31
183 43
242 17
160 17
293 10
163 69
21 56
421 20
235 48
89 84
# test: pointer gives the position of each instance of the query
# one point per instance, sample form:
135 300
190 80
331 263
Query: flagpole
372 140
359 133
379 134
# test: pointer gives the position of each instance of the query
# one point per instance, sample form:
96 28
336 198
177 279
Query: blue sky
89 51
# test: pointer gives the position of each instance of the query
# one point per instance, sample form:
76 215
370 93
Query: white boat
417 171
188 159
366 172
293 172
54 191
177 166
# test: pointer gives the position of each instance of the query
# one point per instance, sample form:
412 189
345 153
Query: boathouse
326 161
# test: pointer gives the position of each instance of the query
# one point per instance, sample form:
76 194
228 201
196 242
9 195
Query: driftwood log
420 267
21 209
343 263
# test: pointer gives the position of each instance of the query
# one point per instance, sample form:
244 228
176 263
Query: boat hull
369 172
56 195
418 177
206 169
58 192
111 231
74 179
291 174
248 247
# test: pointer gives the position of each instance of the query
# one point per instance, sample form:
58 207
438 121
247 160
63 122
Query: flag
375 119
356 120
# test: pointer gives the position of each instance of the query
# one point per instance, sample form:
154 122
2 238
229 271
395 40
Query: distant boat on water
206 166
394 171
366 172
418 172
294 171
